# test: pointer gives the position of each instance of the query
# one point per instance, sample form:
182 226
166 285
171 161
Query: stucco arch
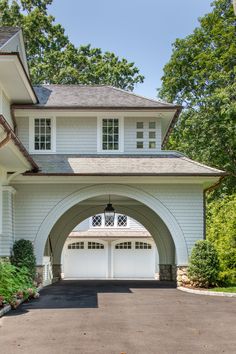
121 190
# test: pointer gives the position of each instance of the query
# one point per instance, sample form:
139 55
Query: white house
66 149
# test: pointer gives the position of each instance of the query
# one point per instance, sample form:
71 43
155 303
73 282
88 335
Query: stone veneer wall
182 276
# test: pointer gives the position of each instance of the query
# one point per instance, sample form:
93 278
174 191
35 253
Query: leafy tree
203 265
221 231
23 256
201 76
54 59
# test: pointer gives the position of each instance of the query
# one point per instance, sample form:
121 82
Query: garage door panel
85 263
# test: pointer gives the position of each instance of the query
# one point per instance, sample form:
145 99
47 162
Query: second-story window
110 134
42 134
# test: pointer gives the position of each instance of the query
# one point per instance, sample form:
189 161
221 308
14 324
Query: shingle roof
93 96
6 33
152 165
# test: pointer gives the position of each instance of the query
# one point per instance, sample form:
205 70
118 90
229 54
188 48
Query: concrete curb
205 292
8 308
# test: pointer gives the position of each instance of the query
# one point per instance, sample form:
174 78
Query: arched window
142 246
95 246
123 246
76 246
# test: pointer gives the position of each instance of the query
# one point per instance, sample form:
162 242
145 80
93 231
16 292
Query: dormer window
42 135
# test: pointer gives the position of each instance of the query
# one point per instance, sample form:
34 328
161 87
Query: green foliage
23 256
201 76
14 280
54 59
221 231
204 265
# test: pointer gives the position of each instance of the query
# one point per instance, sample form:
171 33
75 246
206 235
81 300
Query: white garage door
133 259
85 259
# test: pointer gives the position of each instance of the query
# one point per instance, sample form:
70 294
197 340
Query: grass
230 289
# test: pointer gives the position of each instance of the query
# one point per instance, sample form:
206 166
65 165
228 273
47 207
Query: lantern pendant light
109 212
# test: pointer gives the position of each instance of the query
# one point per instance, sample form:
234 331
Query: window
152 125
110 134
122 220
109 221
152 144
152 135
76 246
139 145
95 246
97 221
142 246
123 246
139 135
42 134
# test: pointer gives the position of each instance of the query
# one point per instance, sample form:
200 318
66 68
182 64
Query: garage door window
123 246
76 246
95 246
142 246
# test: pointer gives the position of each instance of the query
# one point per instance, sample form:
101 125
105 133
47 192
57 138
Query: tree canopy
201 76
52 58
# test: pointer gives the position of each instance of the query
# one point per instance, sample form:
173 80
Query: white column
8 234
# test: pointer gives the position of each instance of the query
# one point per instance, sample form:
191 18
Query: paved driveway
113 317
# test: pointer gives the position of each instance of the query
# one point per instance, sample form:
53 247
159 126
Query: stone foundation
165 271
39 278
56 271
182 276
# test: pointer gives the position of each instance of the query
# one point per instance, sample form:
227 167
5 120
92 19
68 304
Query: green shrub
13 281
204 265
23 256
221 232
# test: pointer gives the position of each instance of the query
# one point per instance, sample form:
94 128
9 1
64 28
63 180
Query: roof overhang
15 80
13 156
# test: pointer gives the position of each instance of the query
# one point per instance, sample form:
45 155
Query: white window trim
99 134
31 134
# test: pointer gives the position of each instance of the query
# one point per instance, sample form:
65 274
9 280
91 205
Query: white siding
7 237
23 130
5 109
130 135
76 135
185 202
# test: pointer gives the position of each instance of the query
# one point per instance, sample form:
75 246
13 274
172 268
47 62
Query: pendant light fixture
109 212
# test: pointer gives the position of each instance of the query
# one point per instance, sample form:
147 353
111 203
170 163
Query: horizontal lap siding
23 130
185 202
6 239
76 135
130 135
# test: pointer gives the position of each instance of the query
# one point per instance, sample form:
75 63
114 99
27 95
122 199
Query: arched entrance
140 205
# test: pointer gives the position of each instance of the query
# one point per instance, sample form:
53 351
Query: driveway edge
205 292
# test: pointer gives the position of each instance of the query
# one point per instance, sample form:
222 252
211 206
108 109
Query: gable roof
6 33
89 96
166 164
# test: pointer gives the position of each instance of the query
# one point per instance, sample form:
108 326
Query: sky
142 31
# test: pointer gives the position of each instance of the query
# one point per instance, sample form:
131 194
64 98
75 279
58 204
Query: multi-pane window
122 220
152 135
110 134
97 221
143 245
119 220
139 135
123 246
42 134
95 246
109 221
76 246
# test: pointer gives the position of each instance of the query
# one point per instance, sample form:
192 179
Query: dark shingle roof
92 96
162 164
6 33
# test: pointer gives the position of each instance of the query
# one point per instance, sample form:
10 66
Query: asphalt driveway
113 317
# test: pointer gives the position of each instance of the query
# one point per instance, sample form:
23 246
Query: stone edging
7 308
205 292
